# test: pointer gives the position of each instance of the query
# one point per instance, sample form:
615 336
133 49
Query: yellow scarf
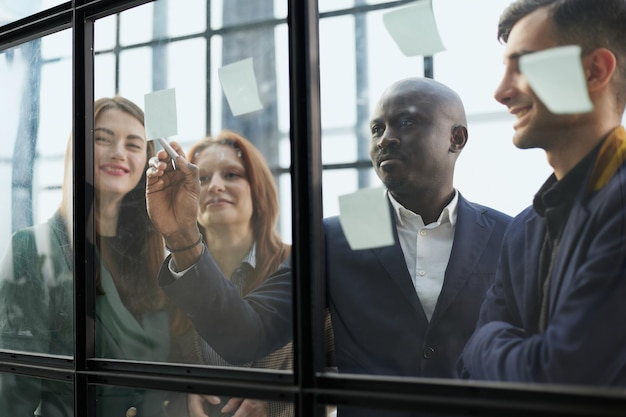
610 158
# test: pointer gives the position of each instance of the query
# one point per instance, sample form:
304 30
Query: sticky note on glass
556 76
414 29
240 87
160 114
365 219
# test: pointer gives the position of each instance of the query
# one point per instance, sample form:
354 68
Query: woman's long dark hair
137 251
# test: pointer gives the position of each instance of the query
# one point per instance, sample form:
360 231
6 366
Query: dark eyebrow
514 56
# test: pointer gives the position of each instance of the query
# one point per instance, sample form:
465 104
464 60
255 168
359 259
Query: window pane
420 291
479 173
140 318
181 22
413 289
239 12
337 71
119 401
27 396
36 282
136 25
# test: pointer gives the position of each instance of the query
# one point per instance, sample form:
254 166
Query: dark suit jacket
585 339
240 329
380 326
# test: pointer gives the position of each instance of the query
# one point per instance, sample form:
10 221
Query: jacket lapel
534 234
569 239
470 238
392 260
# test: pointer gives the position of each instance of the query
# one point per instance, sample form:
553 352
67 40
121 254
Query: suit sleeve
240 329
585 337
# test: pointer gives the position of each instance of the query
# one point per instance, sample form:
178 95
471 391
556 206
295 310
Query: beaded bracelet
200 239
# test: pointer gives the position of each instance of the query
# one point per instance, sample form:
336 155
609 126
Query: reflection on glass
28 396
131 308
131 402
119 401
36 286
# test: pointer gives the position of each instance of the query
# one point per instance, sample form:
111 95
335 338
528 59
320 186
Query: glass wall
37 102
90 323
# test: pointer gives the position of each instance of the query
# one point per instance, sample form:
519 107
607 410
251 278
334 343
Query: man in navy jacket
555 313
408 309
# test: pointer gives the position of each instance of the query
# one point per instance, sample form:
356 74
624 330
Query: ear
458 139
599 66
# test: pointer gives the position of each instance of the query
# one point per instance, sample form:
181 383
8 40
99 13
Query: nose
507 89
118 150
216 184
387 139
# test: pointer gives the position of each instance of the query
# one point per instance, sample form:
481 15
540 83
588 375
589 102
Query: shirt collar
250 258
448 214
555 192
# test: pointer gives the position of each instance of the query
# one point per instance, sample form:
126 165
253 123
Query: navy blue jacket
380 326
585 338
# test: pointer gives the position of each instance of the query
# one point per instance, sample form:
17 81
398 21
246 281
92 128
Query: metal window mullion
304 95
84 265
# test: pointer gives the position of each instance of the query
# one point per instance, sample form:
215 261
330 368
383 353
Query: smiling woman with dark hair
133 319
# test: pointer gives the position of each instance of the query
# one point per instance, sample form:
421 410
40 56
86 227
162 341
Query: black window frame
308 386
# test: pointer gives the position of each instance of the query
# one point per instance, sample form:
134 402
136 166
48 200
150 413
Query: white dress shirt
426 249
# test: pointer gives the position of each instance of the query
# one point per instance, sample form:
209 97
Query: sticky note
414 29
365 219
240 87
160 114
556 76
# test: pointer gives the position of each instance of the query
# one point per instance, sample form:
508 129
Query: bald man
408 309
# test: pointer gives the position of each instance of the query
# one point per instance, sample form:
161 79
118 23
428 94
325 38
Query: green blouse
36 315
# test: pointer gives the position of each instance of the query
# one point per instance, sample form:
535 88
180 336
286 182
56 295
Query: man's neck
575 145
428 205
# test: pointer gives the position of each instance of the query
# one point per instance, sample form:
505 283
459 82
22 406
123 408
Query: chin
524 140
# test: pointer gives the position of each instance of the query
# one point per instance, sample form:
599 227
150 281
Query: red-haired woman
236 218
